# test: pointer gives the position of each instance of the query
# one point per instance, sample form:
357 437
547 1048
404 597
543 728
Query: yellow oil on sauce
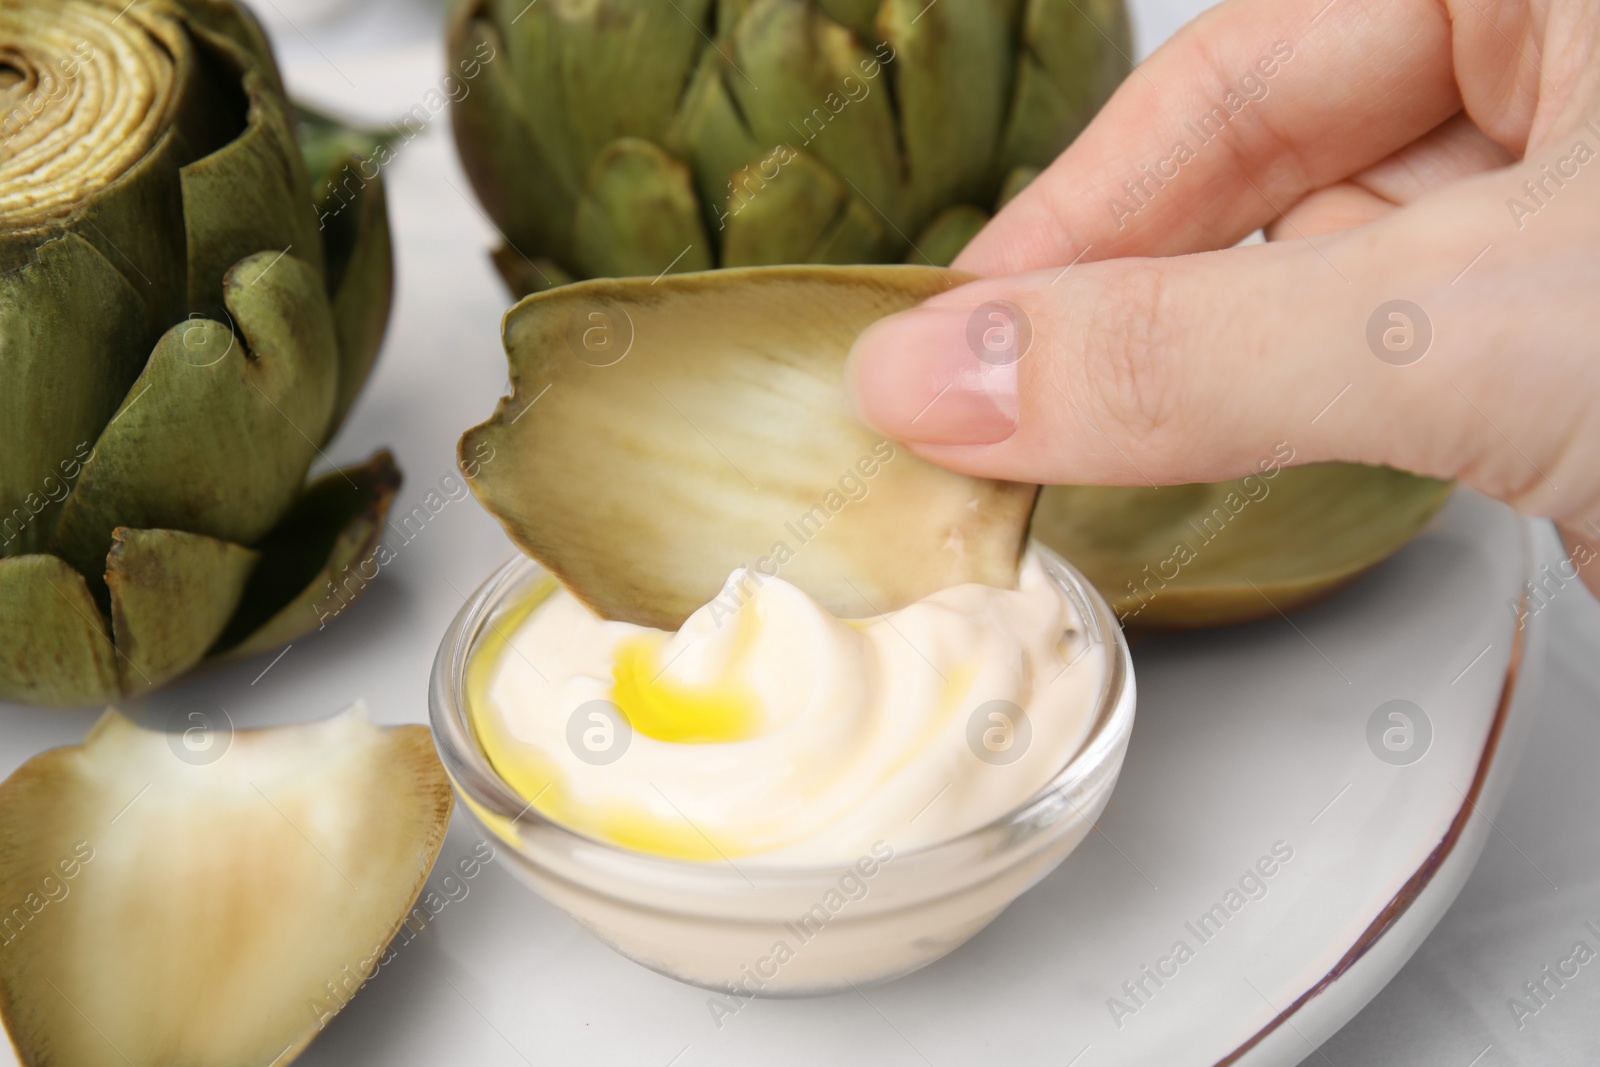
656 707
669 710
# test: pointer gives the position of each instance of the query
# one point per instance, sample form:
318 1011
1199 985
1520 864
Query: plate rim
1423 877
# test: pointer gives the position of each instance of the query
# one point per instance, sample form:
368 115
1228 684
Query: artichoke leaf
360 277
217 434
705 427
947 235
261 169
1074 54
856 236
639 215
54 648
709 132
859 16
317 561
171 595
815 96
1205 555
781 206
523 276
950 122
1018 179
327 143
509 171
599 70
208 909
72 343
234 23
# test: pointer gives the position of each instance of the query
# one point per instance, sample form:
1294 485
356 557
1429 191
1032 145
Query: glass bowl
765 930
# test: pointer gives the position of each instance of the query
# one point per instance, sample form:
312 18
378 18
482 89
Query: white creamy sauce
768 729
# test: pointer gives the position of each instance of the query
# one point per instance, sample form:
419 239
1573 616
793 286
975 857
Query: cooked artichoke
700 424
181 330
168 909
633 137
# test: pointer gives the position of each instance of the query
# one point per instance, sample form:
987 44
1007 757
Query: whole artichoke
181 330
633 137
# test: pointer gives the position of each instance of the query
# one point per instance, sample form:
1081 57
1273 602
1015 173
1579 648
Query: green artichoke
635 137
181 330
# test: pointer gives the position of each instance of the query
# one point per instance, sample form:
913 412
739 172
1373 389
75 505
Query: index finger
1243 112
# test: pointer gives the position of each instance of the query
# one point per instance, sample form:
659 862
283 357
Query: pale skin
1385 158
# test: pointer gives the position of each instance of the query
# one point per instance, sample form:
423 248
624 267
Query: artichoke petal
317 560
947 235
699 423
816 95
261 169
709 132
950 122
639 215
858 235
859 16
218 907
509 170
360 278
54 648
1074 54
171 595
217 434
1206 555
523 276
71 344
599 70
781 207
234 23
1016 180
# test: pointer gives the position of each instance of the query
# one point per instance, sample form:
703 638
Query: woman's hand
1430 175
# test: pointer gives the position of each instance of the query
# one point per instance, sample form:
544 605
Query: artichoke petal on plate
171 595
1206 555
207 912
54 648
305 576
660 435
639 215
359 257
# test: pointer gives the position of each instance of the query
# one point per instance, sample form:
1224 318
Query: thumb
1202 367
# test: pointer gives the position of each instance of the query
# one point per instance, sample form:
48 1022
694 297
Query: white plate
1245 737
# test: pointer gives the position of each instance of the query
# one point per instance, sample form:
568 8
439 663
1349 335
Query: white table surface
441 371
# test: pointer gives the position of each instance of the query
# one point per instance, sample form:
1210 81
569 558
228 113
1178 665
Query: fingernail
940 375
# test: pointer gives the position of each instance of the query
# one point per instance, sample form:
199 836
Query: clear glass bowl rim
472 773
